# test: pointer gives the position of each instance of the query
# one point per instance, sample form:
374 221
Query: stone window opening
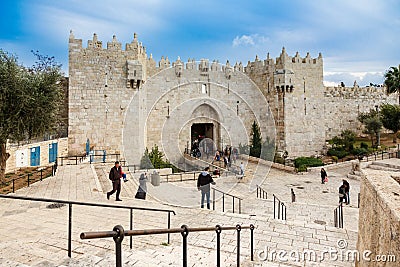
204 88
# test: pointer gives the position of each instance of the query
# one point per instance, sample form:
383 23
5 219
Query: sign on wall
22 158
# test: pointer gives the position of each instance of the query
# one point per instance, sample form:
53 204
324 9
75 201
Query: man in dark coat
115 176
203 184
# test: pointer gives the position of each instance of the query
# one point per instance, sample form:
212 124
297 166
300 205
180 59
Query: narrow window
204 88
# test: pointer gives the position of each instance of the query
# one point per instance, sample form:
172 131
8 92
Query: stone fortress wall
103 81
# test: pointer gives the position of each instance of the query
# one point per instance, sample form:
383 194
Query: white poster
22 158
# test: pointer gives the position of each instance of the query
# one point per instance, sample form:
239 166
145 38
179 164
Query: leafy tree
256 140
372 124
390 117
268 150
145 162
345 141
30 100
392 80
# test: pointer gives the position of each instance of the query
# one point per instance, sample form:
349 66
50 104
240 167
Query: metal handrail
281 212
223 200
118 233
70 203
338 216
293 195
261 193
53 172
77 158
215 166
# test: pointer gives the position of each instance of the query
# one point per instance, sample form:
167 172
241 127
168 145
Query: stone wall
44 152
379 221
342 105
105 82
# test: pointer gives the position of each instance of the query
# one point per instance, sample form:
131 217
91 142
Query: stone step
383 167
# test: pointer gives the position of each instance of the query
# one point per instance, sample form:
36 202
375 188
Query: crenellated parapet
356 92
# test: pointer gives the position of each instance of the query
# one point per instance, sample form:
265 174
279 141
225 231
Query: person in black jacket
115 176
347 191
203 183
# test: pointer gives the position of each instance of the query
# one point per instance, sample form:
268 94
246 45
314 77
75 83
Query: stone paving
32 234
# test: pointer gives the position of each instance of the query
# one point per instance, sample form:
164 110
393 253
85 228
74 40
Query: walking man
203 184
115 176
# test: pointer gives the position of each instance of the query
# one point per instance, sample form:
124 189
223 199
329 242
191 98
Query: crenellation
306 113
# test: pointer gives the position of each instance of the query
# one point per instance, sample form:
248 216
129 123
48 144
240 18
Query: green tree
30 100
145 162
256 140
390 117
372 123
392 80
156 158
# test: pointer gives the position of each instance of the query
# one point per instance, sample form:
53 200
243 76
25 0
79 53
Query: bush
364 145
338 153
307 162
359 151
302 168
334 158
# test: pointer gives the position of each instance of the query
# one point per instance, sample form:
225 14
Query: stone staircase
44 240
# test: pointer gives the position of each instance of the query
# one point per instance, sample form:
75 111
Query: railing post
240 206
238 228
218 230
213 199
41 174
251 242
13 185
274 206
223 202
76 160
118 240
358 205
341 215
184 233
29 175
233 204
69 229
169 225
293 195
131 228
257 191
279 209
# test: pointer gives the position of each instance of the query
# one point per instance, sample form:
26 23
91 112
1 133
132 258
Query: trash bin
155 178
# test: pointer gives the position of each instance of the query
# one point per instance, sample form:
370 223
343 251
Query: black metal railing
70 203
279 209
293 195
118 233
223 200
358 200
210 164
104 158
380 156
338 216
29 176
71 160
261 193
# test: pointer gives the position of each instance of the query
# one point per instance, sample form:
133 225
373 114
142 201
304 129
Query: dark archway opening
200 131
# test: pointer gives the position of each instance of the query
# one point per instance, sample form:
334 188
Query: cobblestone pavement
33 234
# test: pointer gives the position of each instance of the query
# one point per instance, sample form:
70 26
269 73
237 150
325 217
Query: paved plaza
33 234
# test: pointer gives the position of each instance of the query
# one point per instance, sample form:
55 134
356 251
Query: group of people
115 176
344 189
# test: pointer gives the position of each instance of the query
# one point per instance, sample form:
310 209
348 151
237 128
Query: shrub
302 168
364 145
335 158
359 151
307 162
338 153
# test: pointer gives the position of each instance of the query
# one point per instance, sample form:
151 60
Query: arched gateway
179 105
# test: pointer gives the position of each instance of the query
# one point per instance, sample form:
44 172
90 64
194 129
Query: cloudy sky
359 39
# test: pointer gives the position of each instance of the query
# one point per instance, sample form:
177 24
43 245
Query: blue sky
358 39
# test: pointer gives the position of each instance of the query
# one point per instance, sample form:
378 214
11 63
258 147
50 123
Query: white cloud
249 40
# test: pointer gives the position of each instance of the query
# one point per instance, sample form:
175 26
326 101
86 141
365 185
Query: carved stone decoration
178 67
228 70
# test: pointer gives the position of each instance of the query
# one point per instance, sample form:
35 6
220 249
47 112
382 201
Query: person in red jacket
115 176
203 184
